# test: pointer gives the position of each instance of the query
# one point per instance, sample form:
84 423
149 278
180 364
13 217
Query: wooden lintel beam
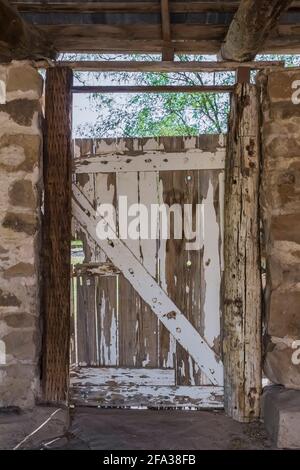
153 89
159 67
18 40
250 27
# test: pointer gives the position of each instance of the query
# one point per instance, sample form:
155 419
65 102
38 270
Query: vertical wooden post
243 75
242 280
168 50
57 233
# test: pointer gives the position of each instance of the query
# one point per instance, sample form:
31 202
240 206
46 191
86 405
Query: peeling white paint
221 206
133 396
160 161
167 312
212 274
191 371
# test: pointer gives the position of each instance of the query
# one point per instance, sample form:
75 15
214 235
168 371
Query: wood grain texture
18 40
242 282
159 66
151 161
57 234
87 321
165 309
191 279
138 325
126 7
250 27
107 333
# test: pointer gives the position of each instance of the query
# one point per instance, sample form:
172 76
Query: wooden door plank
211 262
131 354
121 376
149 396
87 322
106 289
105 192
149 323
107 321
87 185
167 312
195 159
138 325
167 342
182 267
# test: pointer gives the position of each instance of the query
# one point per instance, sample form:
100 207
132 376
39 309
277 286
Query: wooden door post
57 233
242 280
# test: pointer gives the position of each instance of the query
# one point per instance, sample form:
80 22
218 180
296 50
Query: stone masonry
280 202
20 172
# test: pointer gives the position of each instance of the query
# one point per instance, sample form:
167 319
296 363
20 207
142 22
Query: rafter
168 50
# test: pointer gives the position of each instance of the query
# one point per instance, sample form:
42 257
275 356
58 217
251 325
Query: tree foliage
161 114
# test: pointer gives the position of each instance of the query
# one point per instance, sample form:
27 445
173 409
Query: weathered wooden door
147 311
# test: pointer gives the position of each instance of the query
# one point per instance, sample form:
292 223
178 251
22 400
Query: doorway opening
125 351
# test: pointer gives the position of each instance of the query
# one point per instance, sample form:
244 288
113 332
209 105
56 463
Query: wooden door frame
242 301
57 170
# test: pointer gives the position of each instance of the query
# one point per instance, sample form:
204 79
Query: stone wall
20 171
280 201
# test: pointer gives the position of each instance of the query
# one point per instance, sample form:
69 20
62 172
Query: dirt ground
116 429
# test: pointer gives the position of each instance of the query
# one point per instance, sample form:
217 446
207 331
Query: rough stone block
281 414
7 299
286 228
280 85
285 147
26 223
23 81
284 314
21 345
19 385
14 108
18 320
19 270
285 111
279 366
21 194
20 152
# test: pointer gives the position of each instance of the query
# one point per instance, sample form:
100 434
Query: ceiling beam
168 50
18 40
154 89
158 66
186 39
126 7
250 27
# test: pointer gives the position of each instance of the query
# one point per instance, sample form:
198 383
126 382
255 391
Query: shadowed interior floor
117 429
157 430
